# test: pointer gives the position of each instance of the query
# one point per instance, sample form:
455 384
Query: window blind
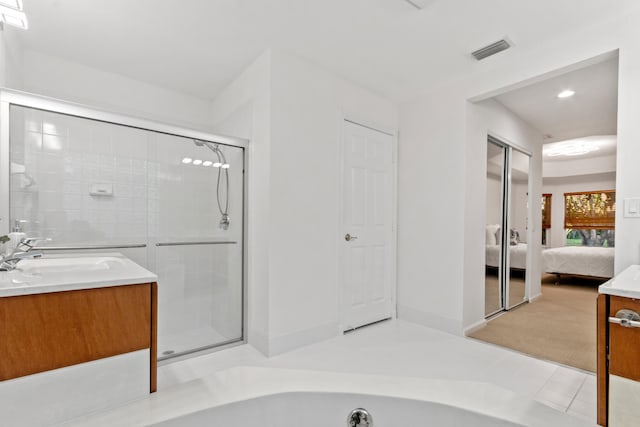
590 209
546 211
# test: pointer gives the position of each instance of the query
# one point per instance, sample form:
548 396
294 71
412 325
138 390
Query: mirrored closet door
493 235
507 204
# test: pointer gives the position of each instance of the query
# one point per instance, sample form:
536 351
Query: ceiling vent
492 49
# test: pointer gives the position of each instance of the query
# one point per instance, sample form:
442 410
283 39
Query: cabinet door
42 332
624 343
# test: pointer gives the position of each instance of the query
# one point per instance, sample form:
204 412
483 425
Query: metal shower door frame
10 97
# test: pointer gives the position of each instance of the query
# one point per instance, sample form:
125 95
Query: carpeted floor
559 326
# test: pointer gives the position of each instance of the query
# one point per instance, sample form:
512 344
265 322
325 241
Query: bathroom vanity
76 335
619 349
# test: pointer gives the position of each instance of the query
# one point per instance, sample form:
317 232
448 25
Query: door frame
343 119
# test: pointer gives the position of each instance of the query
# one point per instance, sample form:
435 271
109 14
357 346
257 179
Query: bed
587 261
517 256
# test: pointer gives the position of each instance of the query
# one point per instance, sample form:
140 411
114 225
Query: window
546 216
589 218
546 211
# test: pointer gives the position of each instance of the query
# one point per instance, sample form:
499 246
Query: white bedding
517 255
581 260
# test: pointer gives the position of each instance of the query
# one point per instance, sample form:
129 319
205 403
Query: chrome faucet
22 251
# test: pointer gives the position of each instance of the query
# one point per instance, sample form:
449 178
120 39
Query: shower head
212 147
223 165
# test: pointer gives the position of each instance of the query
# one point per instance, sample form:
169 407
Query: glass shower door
196 236
92 186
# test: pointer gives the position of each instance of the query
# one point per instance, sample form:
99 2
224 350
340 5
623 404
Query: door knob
348 237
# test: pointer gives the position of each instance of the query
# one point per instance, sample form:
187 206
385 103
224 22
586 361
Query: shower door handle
348 237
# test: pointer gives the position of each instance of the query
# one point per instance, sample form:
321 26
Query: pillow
514 238
490 234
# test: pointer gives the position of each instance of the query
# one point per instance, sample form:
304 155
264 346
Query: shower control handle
348 237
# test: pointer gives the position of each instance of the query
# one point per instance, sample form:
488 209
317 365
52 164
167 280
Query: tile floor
400 348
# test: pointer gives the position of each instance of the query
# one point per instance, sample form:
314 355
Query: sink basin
68 265
55 273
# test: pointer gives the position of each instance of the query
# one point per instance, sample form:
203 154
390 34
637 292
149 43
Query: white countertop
625 284
56 273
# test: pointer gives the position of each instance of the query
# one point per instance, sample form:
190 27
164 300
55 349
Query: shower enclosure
171 199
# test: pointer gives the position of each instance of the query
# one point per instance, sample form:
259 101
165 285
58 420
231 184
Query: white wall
494 200
308 108
558 186
245 107
11 57
519 208
443 143
3 59
296 126
600 164
434 144
58 78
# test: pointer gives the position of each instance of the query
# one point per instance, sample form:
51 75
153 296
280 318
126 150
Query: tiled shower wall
57 159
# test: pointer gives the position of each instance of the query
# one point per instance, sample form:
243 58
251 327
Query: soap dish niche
101 189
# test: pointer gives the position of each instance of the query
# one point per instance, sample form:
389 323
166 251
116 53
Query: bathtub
269 397
332 409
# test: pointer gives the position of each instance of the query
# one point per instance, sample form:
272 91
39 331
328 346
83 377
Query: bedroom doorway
507 214
573 116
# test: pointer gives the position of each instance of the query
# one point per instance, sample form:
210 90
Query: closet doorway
506 254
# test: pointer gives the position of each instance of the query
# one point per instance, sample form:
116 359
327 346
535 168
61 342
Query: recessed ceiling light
14 17
225 166
574 147
207 163
217 164
566 93
187 160
197 162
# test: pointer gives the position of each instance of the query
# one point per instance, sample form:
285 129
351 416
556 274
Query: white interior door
368 260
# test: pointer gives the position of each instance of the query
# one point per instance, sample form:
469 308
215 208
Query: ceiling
199 46
593 110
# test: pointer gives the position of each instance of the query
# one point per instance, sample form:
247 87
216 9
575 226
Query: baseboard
535 297
429 320
294 340
258 341
474 327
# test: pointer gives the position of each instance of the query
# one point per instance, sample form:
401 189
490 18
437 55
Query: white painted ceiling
591 111
199 46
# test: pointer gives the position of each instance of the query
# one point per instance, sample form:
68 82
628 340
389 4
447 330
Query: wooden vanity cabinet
47 331
618 351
